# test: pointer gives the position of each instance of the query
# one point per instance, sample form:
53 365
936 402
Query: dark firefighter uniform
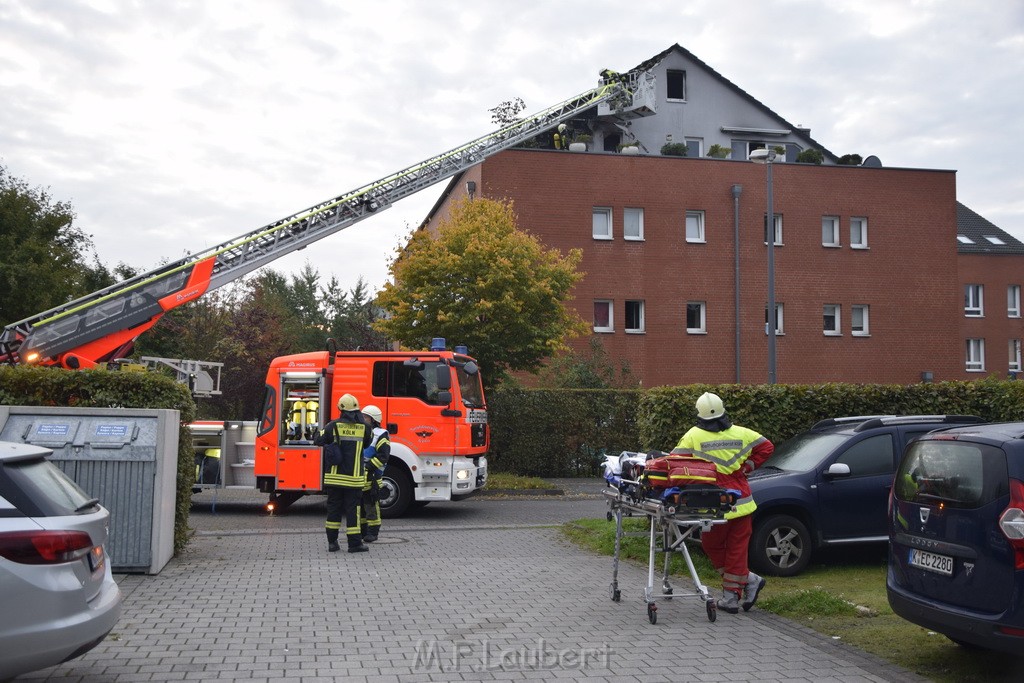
344 476
381 451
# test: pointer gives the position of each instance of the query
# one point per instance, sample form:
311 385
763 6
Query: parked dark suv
956 525
830 486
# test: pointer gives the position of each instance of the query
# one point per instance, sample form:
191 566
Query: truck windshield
470 385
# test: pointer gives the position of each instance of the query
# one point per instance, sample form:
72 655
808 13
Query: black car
956 525
830 486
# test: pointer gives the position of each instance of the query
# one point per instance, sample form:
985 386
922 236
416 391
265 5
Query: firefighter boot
754 586
730 602
332 541
355 543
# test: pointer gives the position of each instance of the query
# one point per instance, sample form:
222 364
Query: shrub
810 156
37 386
673 149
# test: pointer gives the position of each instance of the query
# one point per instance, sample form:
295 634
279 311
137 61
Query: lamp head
762 156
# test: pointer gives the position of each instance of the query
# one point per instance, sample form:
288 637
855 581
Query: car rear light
1010 631
44 547
1011 522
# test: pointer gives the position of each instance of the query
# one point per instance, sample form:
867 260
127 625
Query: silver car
58 597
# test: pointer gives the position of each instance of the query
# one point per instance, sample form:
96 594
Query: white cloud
172 127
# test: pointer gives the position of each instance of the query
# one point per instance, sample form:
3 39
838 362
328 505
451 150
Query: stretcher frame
671 527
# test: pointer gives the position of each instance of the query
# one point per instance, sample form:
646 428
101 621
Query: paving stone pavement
443 604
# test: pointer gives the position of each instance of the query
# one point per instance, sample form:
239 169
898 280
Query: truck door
298 461
418 400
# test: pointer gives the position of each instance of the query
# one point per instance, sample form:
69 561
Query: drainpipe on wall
737 190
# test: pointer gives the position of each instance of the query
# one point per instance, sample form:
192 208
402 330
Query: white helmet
348 402
709 406
374 413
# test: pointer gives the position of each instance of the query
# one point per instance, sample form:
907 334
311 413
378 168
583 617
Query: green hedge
34 386
559 432
563 433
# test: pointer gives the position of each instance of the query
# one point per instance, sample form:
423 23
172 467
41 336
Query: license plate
96 558
941 564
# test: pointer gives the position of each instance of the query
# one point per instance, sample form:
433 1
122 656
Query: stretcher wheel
613 591
712 610
609 516
652 613
668 592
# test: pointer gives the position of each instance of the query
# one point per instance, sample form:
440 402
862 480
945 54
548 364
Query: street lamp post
766 157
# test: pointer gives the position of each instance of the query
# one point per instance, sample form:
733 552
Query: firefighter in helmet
344 441
375 459
735 451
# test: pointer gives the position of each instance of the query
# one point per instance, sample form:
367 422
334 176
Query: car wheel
780 546
395 492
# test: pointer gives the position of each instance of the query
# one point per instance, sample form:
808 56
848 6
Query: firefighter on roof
375 459
344 440
735 451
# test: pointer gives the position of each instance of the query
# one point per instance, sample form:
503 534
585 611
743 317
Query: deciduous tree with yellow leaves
483 282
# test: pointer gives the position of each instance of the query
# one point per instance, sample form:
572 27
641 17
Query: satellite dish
872 162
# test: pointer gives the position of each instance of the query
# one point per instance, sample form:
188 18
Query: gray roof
981 233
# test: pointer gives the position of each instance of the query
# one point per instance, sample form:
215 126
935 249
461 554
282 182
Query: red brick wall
911 215
996 273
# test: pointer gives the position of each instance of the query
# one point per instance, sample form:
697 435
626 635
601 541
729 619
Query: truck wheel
395 492
780 546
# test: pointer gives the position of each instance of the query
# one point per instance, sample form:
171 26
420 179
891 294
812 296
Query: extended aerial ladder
104 325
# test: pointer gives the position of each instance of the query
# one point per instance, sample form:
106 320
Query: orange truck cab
432 404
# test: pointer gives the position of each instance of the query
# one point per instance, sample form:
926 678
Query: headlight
462 474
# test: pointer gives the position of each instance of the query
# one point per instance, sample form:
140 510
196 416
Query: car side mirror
837 469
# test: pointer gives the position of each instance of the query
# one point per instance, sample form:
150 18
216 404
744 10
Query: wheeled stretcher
674 516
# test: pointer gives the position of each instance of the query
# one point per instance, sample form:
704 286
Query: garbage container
125 457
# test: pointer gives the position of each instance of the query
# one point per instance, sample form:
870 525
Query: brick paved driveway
445 596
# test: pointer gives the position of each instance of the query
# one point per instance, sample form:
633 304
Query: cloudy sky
171 127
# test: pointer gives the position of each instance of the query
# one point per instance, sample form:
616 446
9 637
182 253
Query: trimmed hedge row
564 433
559 432
35 386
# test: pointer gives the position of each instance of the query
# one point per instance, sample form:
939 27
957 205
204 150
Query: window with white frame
633 224
975 361
604 315
860 323
695 147
695 226
995 240
634 317
1013 301
696 317
1015 355
778 229
858 232
830 231
676 84
831 317
974 301
779 319
602 223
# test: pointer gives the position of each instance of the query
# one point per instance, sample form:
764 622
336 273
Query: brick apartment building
880 274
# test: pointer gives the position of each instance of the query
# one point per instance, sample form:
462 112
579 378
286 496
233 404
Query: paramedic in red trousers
375 459
344 475
735 451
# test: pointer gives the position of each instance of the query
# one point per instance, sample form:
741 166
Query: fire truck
433 407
